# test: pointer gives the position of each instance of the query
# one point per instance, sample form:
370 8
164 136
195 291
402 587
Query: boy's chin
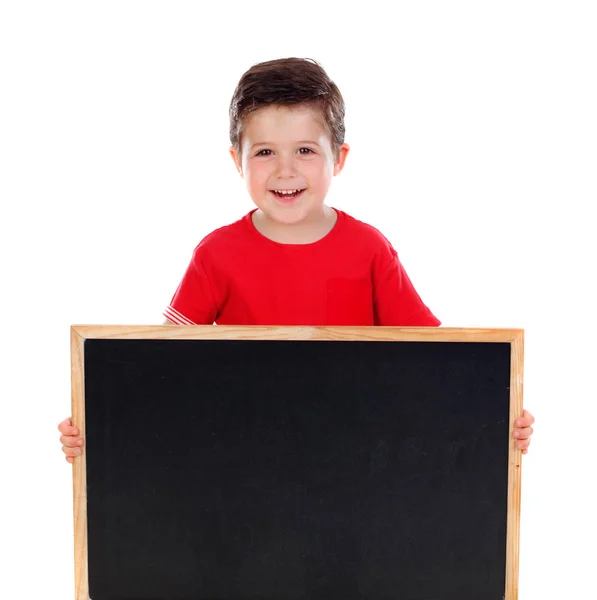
284 217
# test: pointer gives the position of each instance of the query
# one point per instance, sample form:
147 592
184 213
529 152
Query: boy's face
285 149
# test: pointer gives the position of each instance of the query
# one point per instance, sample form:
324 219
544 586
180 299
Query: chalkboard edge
79 465
514 469
216 332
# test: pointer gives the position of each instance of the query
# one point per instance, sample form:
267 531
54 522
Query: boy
293 260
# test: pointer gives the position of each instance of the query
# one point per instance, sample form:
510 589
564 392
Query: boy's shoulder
363 233
238 230
361 226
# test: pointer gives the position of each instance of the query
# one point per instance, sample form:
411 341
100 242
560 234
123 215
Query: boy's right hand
70 440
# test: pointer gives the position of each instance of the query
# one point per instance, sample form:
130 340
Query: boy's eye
267 151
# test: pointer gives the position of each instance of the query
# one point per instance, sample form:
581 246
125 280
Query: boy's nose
285 167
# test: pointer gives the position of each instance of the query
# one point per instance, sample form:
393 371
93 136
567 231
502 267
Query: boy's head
287 134
287 82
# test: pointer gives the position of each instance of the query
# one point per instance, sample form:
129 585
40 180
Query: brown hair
287 82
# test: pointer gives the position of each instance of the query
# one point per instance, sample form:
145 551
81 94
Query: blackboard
296 463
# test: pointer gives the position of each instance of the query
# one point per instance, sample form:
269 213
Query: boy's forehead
284 121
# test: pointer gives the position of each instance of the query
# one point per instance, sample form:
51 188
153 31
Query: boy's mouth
287 195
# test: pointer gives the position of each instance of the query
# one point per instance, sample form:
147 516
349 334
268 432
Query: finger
527 415
523 444
526 420
66 427
71 451
71 441
523 433
69 459
65 424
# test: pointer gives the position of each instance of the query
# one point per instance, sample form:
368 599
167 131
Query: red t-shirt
352 276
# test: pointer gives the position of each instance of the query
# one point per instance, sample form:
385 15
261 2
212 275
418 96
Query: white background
474 149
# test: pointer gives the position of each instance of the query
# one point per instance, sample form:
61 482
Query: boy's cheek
258 173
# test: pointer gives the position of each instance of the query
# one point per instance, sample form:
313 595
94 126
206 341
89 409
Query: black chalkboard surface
374 465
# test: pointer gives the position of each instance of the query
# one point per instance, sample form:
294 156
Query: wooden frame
81 333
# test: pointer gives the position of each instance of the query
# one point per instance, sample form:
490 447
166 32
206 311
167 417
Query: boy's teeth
287 191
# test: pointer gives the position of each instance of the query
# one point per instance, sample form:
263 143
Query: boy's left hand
523 431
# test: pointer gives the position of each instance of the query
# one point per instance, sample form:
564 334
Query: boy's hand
71 443
523 431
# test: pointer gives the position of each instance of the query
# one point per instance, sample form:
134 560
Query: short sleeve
396 301
193 302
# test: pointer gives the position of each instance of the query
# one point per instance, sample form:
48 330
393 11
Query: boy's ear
237 160
342 154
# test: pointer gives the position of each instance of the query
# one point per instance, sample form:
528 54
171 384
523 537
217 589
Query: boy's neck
305 232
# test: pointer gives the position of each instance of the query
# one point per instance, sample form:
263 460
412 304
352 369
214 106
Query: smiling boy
293 260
